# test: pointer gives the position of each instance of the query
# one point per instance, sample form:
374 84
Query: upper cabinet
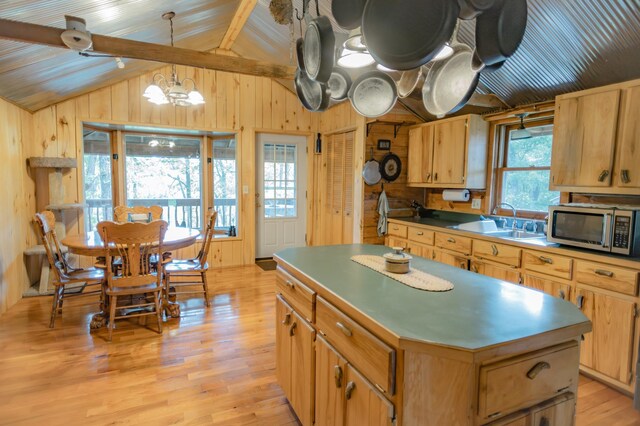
449 153
596 140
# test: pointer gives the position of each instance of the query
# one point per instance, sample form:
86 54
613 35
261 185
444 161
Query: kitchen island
357 347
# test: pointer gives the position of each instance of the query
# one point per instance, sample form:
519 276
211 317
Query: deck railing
185 212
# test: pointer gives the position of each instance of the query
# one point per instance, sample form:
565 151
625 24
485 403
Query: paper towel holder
461 195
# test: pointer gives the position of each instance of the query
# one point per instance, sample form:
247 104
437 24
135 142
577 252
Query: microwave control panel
621 231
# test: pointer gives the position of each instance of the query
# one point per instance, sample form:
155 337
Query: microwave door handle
606 231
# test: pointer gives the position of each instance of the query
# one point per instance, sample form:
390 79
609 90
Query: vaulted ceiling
568 45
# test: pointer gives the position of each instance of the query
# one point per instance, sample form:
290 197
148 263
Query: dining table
91 244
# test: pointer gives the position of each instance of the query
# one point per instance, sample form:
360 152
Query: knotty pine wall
16 127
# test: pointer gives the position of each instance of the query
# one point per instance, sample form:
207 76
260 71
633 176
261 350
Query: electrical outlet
476 203
245 189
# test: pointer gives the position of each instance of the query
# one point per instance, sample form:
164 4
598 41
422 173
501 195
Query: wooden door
330 384
450 259
628 173
347 202
284 319
584 139
364 404
302 369
494 271
449 151
420 155
560 414
337 189
554 288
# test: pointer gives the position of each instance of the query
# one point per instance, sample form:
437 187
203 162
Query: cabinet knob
428 176
603 175
292 329
349 390
420 233
345 330
291 285
436 177
536 369
624 175
287 319
337 372
433 255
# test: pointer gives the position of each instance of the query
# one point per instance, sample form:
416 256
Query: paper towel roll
455 195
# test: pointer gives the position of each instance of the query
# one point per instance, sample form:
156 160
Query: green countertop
479 312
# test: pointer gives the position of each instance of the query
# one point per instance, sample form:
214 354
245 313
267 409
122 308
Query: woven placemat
414 278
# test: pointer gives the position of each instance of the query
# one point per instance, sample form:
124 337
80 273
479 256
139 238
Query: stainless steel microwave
614 229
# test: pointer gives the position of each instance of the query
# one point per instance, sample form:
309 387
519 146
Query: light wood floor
211 366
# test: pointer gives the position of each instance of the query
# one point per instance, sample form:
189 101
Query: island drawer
374 358
523 381
298 295
549 264
507 255
397 230
608 277
454 243
420 235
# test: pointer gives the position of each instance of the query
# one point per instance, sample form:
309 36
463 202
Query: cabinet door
628 174
584 139
337 189
450 259
396 242
419 163
560 414
330 384
302 369
608 348
284 319
364 404
347 202
549 286
449 151
494 271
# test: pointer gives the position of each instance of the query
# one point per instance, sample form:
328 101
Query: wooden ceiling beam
50 36
237 23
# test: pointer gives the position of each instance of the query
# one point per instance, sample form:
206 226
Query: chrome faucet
513 209
534 228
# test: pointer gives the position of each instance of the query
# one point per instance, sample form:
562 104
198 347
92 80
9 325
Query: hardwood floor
211 366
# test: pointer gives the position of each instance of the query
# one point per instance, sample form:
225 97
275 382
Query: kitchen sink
515 234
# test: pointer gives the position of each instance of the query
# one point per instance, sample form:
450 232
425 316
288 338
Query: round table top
90 244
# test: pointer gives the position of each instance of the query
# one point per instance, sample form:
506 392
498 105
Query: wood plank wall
16 127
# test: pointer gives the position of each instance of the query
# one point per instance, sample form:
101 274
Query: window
225 182
165 170
524 167
97 172
279 181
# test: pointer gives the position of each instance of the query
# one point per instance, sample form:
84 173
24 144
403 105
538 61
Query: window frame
208 142
501 168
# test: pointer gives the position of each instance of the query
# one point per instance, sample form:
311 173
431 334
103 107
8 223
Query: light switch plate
245 189
476 203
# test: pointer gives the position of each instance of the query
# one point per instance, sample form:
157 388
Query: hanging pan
424 27
500 30
319 49
313 95
470 9
339 84
300 40
450 82
348 13
390 167
371 171
411 80
373 94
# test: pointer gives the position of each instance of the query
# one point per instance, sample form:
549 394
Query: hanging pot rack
396 125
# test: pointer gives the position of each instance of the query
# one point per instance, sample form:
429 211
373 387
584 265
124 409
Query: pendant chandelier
172 90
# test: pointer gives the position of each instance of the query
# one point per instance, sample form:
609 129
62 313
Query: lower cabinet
343 395
608 349
559 411
549 286
499 272
295 360
459 261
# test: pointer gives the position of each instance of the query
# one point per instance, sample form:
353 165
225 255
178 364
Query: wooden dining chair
137 213
135 244
191 271
67 281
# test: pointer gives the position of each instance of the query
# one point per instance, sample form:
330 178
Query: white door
281 175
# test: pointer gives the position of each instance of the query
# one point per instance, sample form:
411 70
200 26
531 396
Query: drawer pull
536 369
292 329
546 259
420 233
624 174
603 175
345 330
291 285
433 255
562 295
544 421
580 301
337 372
604 273
287 319
395 228
349 390
494 249
451 240
474 268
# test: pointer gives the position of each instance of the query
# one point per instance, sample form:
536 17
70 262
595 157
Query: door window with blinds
338 205
280 172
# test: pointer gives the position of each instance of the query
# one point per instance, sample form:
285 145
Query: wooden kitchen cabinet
450 153
556 414
608 349
459 261
295 360
330 384
627 173
365 405
549 286
496 271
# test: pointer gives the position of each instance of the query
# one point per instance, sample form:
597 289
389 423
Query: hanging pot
371 171
500 30
319 48
471 9
373 94
339 84
478 66
313 95
424 27
348 13
450 82
390 167
410 81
